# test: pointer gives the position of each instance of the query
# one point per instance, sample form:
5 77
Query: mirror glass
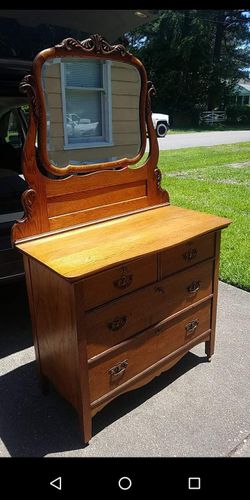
92 110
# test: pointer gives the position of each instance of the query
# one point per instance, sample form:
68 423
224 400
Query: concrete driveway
196 139
195 409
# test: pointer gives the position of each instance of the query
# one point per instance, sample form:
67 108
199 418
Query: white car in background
160 123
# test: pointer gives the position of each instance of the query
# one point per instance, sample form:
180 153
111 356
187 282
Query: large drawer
118 281
108 325
187 254
146 349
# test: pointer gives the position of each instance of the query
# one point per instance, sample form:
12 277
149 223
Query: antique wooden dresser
121 284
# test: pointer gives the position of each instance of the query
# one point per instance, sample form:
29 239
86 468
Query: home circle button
125 483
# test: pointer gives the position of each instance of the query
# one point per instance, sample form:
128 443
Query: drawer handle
194 287
117 323
191 327
118 369
160 289
124 281
190 254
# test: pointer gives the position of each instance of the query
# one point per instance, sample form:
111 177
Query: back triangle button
57 483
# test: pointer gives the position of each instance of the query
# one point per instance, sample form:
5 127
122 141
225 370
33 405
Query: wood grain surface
145 307
83 251
145 350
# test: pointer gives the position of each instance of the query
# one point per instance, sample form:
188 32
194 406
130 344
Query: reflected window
87 103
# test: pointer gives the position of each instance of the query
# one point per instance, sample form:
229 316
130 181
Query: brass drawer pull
124 281
117 323
190 254
118 369
191 327
194 287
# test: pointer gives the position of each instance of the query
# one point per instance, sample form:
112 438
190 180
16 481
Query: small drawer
183 256
146 349
183 329
118 281
119 320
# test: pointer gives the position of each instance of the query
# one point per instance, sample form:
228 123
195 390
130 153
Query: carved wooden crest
95 44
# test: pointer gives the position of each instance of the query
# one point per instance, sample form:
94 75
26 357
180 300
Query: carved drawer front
119 281
183 256
118 320
146 349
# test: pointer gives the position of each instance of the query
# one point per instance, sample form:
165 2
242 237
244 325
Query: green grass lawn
216 180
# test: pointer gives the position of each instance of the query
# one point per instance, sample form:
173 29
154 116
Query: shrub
237 115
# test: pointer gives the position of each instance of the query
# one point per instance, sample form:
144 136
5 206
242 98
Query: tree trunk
214 87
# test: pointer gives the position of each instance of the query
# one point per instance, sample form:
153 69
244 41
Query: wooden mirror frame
94 47
53 205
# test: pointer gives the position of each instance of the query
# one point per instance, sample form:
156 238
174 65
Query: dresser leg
209 344
86 428
209 349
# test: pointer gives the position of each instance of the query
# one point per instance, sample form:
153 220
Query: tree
194 58
231 29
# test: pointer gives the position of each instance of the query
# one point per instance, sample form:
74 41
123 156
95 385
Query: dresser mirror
90 114
91 107
92 110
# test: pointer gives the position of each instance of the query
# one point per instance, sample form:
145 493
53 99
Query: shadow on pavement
34 425
15 324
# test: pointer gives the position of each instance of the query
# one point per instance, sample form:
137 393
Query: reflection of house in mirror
92 110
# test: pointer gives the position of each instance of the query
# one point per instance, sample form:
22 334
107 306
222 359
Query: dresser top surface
79 252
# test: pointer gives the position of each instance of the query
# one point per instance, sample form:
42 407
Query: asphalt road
196 139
